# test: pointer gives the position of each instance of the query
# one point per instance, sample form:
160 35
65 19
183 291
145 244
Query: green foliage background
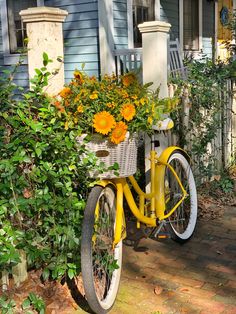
42 181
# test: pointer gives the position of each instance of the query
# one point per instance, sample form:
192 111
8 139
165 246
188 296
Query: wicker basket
125 154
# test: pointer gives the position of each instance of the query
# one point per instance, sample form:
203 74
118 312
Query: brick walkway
197 277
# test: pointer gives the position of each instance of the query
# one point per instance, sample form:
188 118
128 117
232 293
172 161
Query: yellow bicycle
171 206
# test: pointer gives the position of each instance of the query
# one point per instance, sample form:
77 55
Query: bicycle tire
100 263
181 224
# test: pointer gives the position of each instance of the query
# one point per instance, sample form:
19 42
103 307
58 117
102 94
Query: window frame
8 57
130 19
181 27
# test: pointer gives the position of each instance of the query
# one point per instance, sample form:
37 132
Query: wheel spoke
181 222
101 267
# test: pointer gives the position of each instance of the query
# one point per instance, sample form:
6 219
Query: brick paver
197 277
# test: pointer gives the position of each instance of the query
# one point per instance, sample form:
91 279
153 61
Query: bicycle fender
105 182
168 151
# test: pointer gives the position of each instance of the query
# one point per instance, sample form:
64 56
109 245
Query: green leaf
71 273
46 274
26 304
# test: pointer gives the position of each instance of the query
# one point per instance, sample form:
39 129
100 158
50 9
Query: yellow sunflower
119 132
103 122
128 111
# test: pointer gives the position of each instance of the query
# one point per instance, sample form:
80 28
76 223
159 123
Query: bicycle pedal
163 235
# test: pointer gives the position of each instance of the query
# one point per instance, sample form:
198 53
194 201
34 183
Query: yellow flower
78 76
128 111
65 92
94 95
103 122
128 79
110 105
142 101
119 132
80 109
150 120
66 125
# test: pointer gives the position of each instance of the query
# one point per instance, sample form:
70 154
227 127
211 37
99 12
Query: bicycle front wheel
182 222
100 262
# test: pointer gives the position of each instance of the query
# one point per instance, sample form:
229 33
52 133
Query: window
16 29
191 25
13 30
143 10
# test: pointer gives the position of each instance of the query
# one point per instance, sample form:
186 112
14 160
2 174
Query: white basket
125 154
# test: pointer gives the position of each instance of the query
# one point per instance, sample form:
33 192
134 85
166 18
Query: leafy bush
42 182
207 95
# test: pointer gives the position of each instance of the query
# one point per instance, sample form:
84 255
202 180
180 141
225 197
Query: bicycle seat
163 125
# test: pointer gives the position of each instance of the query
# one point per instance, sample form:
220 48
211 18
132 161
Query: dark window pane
16 28
191 25
143 11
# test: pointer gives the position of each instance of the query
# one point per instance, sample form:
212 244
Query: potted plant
109 113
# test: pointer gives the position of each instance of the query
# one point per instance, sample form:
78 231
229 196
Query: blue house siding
169 12
208 28
120 24
80 32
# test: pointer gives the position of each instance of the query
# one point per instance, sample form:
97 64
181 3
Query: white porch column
155 37
155 44
44 32
106 39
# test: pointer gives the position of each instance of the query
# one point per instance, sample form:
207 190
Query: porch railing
128 60
131 60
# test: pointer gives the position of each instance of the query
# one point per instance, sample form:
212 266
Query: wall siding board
169 12
81 50
67 26
120 24
80 32
80 42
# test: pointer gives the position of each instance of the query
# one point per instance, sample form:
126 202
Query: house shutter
16 28
191 24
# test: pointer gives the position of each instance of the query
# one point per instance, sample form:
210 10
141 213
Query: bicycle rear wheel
182 222
100 262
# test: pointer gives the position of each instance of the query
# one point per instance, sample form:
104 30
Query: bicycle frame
156 196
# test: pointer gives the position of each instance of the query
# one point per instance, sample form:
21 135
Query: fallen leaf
183 289
158 290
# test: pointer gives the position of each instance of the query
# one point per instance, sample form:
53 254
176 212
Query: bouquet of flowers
110 107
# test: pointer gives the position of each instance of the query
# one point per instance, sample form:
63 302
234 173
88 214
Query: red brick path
197 277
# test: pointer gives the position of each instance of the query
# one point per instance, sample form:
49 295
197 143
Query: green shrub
42 182
207 101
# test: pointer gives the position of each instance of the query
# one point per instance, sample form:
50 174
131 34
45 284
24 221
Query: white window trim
106 36
9 58
130 20
181 25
